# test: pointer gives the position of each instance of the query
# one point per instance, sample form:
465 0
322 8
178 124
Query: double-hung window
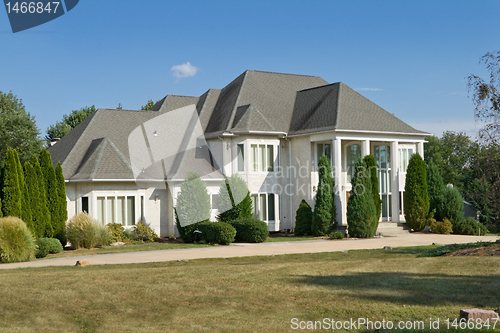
262 158
264 207
116 209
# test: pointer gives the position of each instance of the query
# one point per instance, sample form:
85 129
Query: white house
271 128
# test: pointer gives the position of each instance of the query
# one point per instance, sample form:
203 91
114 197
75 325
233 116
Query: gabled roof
248 118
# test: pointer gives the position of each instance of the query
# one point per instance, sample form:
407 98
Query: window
404 158
241 157
323 149
215 201
353 154
119 209
262 158
85 204
264 207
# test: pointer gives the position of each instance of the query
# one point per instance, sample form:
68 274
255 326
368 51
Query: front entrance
382 155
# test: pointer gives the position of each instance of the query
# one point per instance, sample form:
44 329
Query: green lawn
254 294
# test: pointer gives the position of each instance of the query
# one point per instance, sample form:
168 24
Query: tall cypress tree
26 215
435 190
416 201
323 207
11 190
38 218
49 176
361 212
371 164
63 205
234 200
44 211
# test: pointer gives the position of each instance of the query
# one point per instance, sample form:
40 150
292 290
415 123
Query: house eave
360 132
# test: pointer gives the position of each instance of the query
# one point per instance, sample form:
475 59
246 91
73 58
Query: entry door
383 159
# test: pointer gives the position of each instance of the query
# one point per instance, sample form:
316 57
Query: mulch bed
493 250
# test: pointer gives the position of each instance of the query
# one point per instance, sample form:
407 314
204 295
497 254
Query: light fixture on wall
156 197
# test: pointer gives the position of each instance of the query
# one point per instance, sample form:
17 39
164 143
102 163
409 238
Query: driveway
263 249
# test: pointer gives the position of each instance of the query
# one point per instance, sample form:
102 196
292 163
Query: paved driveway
246 250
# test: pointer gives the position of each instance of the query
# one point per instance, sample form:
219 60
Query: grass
254 294
124 249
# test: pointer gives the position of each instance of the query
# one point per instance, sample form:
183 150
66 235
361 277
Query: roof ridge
68 157
268 72
339 97
120 154
235 107
319 87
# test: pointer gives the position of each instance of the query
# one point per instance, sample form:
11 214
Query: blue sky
410 57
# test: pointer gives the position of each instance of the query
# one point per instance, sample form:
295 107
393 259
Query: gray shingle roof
254 101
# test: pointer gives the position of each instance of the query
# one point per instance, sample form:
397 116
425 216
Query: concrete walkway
263 249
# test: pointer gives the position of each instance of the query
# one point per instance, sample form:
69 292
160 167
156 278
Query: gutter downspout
290 180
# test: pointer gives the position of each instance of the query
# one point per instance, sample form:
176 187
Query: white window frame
258 162
137 205
277 205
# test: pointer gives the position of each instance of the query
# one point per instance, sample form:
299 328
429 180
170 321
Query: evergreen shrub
143 232
469 226
234 200
250 230
336 235
17 244
324 208
217 232
416 203
362 221
48 245
303 220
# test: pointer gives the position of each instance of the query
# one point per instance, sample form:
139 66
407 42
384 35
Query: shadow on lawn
412 288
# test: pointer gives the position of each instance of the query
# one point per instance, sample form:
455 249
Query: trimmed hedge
303 220
16 241
469 226
48 245
250 230
217 232
336 235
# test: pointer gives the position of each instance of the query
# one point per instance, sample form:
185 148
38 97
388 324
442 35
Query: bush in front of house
48 245
17 244
117 232
324 207
469 226
84 231
143 232
371 165
416 202
193 206
440 227
303 220
361 212
217 232
234 200
250 230
336 235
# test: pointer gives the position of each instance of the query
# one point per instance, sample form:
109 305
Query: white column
339 192
420 149
365 148
395 180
